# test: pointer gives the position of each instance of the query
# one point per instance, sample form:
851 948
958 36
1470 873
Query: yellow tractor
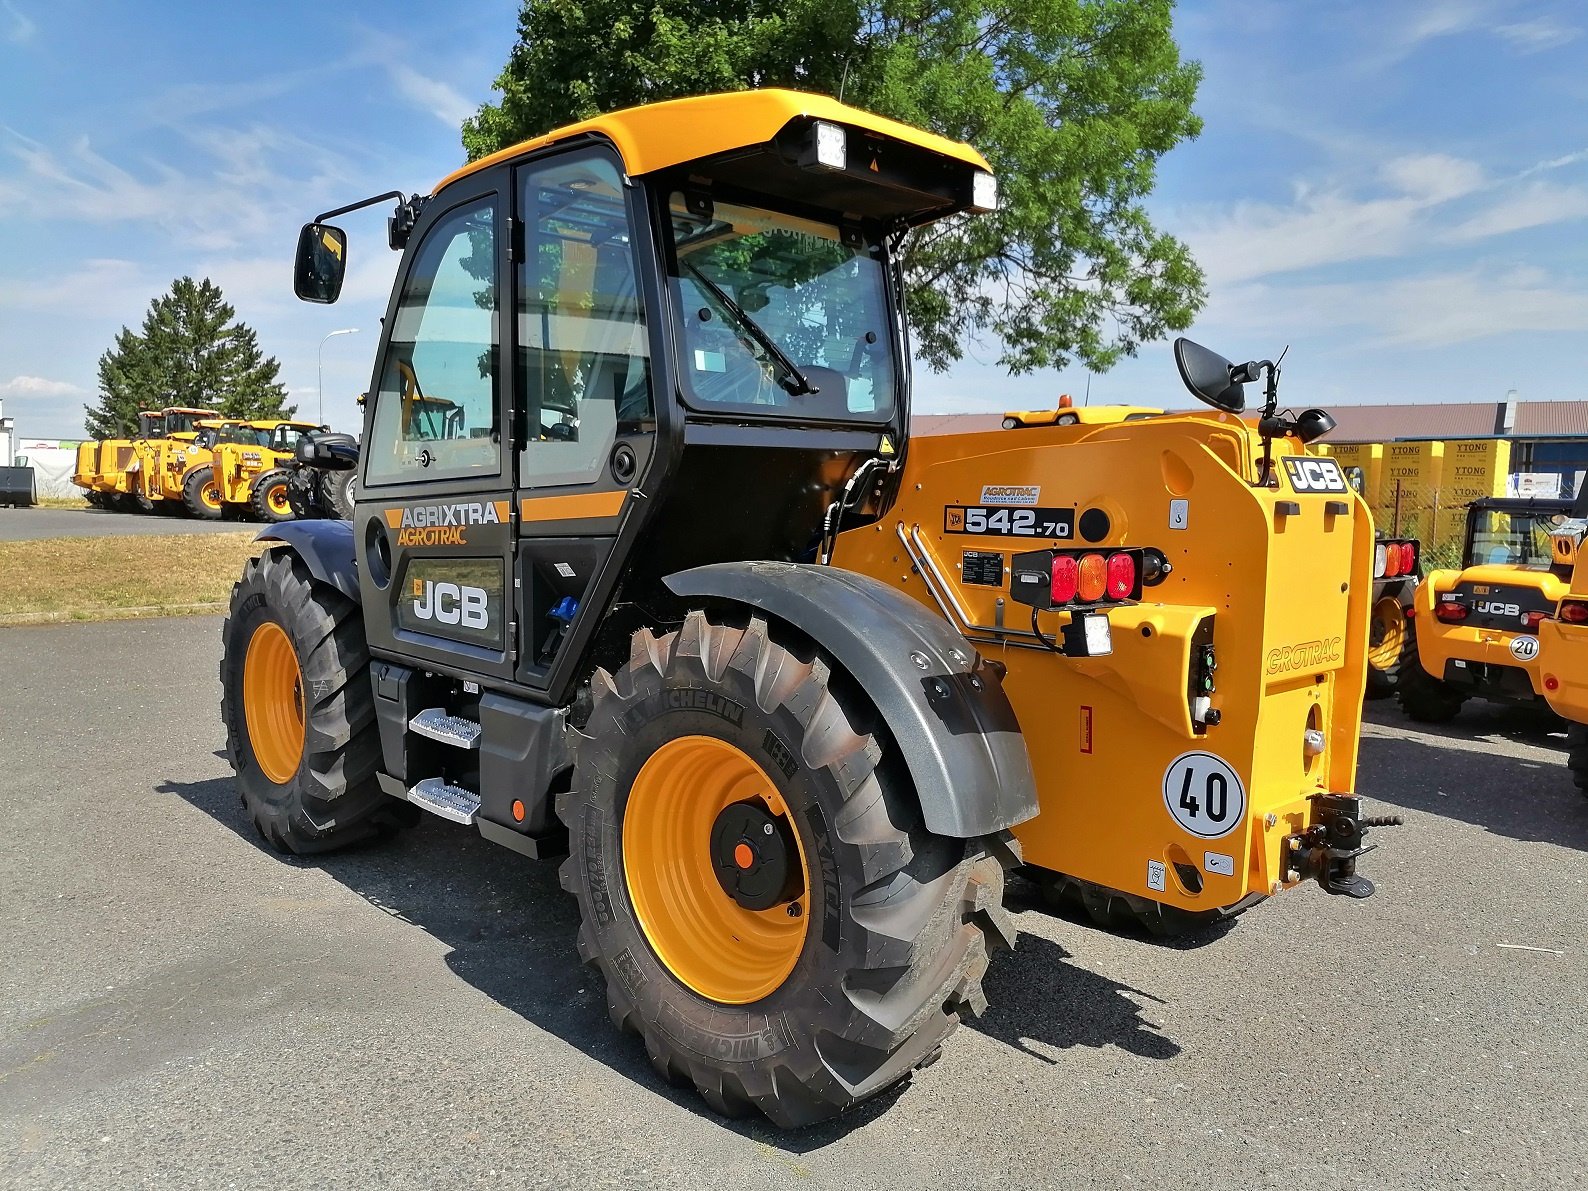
247 471
1477 627
666 592
110 471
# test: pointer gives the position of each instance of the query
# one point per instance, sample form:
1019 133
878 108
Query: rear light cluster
1531 620
1573 611
1392 559
1450 611
1051 579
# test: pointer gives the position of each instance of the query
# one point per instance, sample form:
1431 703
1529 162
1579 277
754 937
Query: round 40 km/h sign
1524 649
1204 795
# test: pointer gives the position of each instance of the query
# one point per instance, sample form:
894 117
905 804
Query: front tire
202 495
268 497
877 945
299 710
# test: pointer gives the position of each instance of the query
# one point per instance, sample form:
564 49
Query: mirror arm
362 203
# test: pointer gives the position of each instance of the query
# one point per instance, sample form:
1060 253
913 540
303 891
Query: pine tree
190 351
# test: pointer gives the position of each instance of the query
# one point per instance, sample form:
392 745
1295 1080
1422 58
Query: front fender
326 548
944 706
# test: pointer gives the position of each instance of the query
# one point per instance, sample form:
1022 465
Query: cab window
584 360
436 411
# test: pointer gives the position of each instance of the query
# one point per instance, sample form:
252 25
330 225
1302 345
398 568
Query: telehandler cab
664 588
1477 628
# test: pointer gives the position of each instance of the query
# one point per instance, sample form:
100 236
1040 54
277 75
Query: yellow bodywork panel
1563 653
1279 582
237 465
1440 643
659 135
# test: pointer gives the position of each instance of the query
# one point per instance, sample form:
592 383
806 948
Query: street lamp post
320 365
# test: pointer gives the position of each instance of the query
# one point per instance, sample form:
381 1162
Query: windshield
1513 539
747 277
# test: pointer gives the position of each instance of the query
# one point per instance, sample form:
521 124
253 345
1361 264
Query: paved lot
179 1008
22 525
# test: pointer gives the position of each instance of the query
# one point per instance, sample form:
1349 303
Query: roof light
983 192
832 145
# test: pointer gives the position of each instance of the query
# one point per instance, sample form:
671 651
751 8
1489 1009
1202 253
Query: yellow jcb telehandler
668 594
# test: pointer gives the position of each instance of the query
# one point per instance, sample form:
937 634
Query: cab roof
658 135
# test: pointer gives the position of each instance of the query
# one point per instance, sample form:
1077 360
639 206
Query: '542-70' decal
1009 522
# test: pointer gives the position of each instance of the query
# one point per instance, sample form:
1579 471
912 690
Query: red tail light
1531 620
1392 561
1408 553
1066 577
1094 578
1121 576
1573 611
1449 611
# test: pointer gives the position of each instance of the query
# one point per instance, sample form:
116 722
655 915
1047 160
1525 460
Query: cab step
440 797
438 724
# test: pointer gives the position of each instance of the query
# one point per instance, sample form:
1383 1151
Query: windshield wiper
801 384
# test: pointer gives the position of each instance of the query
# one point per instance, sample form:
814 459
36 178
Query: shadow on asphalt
1519 797
511 930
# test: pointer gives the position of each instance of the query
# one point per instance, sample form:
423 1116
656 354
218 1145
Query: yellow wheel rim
211 496
276 498
273 702
711 943
1386 635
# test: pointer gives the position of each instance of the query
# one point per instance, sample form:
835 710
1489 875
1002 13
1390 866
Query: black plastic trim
326 548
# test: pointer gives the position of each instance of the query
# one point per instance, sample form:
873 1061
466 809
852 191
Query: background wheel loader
665 590
1477 628
108 470
249 469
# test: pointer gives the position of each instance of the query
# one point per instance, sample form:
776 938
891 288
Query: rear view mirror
321 263
1209 376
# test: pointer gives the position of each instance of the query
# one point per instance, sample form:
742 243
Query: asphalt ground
25 525
181 1008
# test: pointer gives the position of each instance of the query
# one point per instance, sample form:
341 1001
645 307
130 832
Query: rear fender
326 548
944 706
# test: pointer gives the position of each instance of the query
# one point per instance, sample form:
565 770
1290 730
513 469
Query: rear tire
300 725
201 495
339 493
267 499
1389 638
1424 698
900 923
1577 755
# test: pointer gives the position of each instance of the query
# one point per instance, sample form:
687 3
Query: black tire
193 494
1383 679
332 799
908 919
339 493
1424 698
1114 910
1577 754
262 501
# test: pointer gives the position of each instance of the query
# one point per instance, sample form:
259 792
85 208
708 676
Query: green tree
192 351
1072 102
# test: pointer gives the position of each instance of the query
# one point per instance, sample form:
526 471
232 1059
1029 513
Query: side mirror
321 263
1209 376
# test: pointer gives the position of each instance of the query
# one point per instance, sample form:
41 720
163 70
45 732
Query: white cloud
22 26
1433 177
1536 205
38 386
1535 36
430 95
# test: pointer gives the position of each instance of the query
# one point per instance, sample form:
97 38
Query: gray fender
326 548
944 706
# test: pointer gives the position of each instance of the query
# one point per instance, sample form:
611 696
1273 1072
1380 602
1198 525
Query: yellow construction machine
669 593
247 470
1563 645
111 471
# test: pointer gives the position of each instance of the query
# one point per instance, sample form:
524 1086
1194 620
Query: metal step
435 795
435 723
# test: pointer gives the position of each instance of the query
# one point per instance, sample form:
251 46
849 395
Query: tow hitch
1328 849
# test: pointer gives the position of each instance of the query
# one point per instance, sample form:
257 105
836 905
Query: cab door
434 525
587 415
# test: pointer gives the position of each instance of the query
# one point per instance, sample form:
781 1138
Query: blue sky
1398 191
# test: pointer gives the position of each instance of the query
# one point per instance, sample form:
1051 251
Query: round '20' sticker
1204 795
1524 649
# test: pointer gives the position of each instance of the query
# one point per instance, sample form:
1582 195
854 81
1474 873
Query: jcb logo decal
1314 475
1496 608
450 603
1309 655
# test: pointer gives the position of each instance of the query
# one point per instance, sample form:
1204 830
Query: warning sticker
1086 729
1156 873
1011 494
1218 862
